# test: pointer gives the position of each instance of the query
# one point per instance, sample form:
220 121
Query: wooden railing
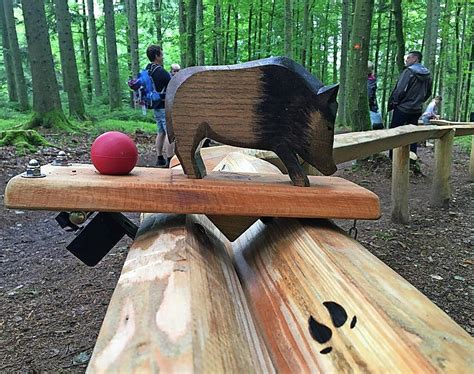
289 295
358 145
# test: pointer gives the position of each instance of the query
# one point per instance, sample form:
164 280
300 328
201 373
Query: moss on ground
50 120
23 140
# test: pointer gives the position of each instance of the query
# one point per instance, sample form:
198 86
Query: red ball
114 153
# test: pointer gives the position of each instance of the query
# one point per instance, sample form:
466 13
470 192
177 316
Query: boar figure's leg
188 154
295 171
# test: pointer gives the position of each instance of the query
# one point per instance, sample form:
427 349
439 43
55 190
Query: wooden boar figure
272 104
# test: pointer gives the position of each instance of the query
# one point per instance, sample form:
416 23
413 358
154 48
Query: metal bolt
33 170
77 218
61 159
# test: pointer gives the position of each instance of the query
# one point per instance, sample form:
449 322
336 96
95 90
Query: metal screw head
61 159
33 170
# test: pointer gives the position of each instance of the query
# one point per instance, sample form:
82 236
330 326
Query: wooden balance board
79 187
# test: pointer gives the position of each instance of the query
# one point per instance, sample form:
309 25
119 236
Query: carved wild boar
272 104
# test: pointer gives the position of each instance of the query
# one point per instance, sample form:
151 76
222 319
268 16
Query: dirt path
52 305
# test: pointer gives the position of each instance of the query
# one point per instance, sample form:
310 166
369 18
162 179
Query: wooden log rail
358 145
290 295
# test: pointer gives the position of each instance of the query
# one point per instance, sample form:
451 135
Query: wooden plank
80 187
356 145
290 267
461 130
440 192
471 163
178 307
400 184
233 226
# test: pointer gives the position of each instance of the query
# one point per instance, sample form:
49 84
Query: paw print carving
322 333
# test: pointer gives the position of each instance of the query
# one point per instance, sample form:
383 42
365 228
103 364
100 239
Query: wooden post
400 184
178 306
440 191
325 304
471 164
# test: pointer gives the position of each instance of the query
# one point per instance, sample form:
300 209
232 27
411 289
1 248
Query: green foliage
464 142
23 140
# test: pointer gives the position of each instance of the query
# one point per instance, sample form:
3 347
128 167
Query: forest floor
52 306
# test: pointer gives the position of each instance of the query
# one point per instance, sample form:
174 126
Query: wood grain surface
243 105
178 307
290 267
79 187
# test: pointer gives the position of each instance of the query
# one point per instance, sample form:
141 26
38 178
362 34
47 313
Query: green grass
464 142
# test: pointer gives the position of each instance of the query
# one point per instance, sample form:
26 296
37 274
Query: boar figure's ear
327 100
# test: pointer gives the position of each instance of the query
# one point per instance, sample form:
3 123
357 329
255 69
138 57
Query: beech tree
47 110
68 60
14 52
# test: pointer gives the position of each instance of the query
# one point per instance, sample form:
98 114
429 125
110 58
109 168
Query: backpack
145 93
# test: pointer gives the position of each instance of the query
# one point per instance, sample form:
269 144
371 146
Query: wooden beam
290 267
357 145
80 188
178 306
440 192
471 163
233 226
349 146
400 184
461 130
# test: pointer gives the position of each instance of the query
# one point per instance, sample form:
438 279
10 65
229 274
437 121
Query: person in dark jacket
413 88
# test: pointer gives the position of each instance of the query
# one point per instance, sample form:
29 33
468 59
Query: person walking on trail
413 88
431 111
161 79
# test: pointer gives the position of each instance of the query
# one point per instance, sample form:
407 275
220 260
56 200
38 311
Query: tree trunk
357 101
191 50
17 67
133 35
182 32
341 112
159 25
386 78
218 32
7 56
324 59
259 37
200 32
68 60
236 33
86 52
113 76
305 32
288 29
398 15
249 39
379 37
459 20
431 33
46 102
227 32
469 78
96 76
270 30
